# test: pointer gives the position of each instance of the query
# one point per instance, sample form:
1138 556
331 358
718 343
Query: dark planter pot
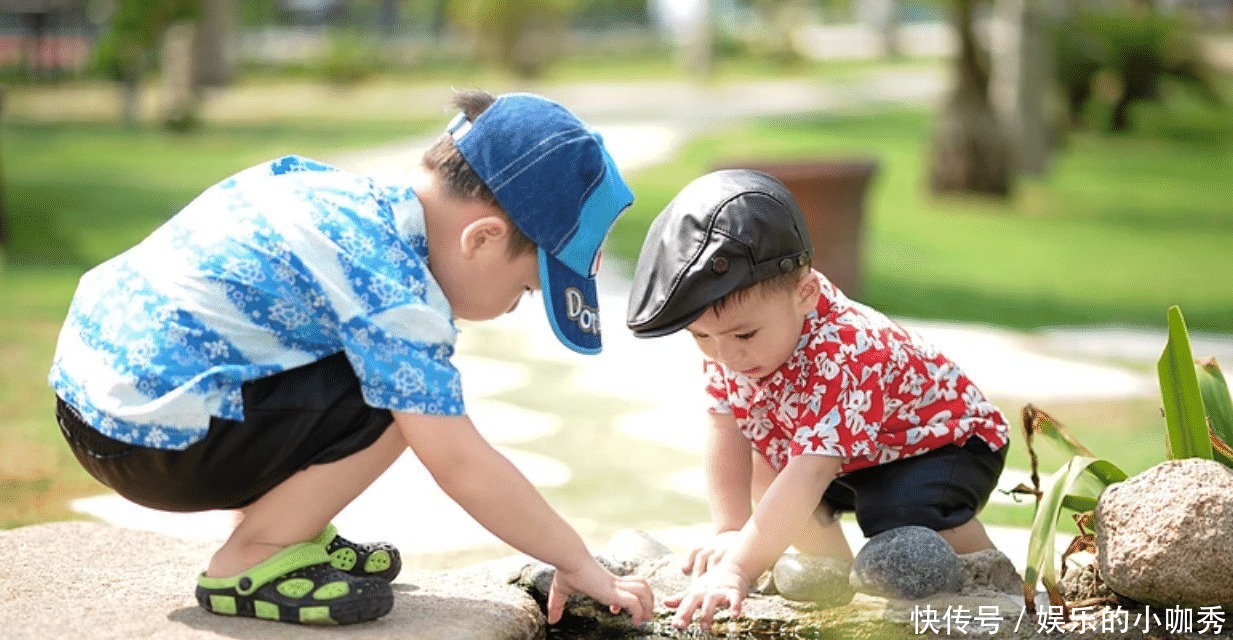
831 194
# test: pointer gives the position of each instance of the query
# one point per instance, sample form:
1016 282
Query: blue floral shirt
276 267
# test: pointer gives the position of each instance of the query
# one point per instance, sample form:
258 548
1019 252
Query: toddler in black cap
844 409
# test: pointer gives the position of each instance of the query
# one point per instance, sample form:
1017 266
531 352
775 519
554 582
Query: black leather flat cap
724 231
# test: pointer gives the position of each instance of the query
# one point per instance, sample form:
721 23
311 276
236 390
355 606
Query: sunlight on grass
1121 228
1108 237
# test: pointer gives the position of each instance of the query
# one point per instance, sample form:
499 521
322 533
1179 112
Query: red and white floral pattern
859 387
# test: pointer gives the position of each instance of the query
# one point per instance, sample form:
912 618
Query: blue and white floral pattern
275 267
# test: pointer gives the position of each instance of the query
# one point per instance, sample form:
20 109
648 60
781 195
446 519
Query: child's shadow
389 626
439 617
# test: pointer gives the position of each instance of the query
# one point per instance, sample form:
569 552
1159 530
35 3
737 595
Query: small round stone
908 563
808 578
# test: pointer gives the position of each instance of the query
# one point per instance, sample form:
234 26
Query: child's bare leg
822 535
299 508
968 537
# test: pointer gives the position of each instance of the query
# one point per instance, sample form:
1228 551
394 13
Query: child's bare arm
728 470
499 497
787 505
727 465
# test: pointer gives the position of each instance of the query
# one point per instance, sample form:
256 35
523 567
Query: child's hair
444 160
780 282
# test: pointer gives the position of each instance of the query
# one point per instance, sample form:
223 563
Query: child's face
496 284
756 333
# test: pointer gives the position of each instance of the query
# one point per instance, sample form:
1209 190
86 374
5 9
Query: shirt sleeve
408 370
716 387
840 411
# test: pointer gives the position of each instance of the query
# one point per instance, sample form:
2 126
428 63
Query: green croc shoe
371 559
297 584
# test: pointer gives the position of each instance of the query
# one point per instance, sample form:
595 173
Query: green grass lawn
76 195
1121 228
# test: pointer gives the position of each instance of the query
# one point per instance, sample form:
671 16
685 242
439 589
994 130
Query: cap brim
572 303
660 329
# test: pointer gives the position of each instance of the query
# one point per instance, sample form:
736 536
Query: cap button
786 264
719 264
803 260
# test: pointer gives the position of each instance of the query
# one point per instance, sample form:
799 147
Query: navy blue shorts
309 415
941 489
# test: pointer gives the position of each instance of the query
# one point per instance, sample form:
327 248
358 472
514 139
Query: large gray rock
90 581
907 562
1165 536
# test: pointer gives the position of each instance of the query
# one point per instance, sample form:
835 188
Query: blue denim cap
555 180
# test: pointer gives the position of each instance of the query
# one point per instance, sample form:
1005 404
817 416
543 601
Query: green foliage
1179 388
1075 227
133 33
523 36
351 58
1124 57
1216 400
1184 385
1075 486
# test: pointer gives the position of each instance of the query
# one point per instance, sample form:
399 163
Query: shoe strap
327 535
293 558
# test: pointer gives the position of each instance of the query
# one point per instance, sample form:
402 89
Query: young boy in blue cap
278 343
844 409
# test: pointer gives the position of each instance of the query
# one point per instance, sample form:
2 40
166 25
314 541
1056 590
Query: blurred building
44 38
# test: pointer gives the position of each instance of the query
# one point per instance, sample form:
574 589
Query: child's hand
631 593
722 585
701 559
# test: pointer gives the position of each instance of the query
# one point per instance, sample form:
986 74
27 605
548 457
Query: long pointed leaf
1216 400
1037 421
1081 477
1179 389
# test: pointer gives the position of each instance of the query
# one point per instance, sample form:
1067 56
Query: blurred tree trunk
782 17
4 215
130 91
135 30
698 47
216 48
180 99
387 18
971 153
882 17
1022 81
440 19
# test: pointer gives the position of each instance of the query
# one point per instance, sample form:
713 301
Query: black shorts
941 489
294 419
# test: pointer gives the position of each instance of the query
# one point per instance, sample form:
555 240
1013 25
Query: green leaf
1216 401
1078 484
1036 421
1179 389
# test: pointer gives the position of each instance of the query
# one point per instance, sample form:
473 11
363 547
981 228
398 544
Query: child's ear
808 290
487 231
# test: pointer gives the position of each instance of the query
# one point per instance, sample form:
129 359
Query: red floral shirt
858 387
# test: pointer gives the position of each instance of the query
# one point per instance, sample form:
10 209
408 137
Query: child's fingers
674 601
703 562
735 599
709 605
633 605
714 559
556 603
687 565
685 611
